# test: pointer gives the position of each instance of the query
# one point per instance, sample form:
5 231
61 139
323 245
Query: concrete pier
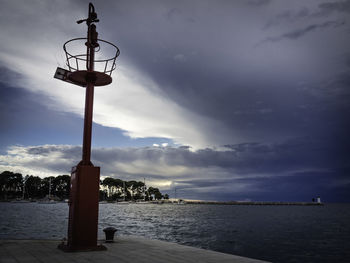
127 249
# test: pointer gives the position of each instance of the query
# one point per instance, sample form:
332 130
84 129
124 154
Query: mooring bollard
109 232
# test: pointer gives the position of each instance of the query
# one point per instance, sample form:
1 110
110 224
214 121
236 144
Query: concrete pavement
125 249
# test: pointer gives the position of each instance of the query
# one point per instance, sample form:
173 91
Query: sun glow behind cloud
243 170
165 168
133 103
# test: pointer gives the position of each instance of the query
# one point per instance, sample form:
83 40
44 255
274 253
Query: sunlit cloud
133 103
242 170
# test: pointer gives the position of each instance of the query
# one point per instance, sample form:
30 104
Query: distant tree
155 192
118 184
131 188
45 185
147 197
33 187
3 184
109 182
141 188
158 195
136 189
11 184
166 196
102 195
24 187
61 186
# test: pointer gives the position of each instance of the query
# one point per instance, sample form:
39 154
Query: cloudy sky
222 100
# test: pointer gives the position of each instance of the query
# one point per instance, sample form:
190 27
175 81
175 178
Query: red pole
89 95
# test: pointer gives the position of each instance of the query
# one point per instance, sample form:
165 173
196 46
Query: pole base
65 248
83 208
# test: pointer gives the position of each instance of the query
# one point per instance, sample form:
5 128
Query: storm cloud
337 6
248 171
301 32
250 96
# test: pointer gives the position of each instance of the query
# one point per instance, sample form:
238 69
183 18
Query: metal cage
105 61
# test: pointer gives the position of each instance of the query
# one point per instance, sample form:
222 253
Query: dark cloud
336 88
7 76
307 14
258 2
340 6
201 55
246 158
198 66
289 16
303 31
298 167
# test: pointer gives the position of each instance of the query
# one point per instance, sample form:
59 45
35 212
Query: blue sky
29 123
241 100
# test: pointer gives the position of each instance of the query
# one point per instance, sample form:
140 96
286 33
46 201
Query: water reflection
274 233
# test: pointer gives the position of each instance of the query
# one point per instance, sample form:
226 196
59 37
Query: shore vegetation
15 186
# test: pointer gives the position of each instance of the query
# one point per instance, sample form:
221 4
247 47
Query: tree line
17 186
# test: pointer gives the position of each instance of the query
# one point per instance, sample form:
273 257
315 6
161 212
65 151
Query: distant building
316 200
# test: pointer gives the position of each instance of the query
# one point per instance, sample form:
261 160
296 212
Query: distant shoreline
253 203
194 202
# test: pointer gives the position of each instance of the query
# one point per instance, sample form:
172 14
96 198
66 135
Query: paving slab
125 249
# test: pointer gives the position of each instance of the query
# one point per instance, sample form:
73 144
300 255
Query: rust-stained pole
89 93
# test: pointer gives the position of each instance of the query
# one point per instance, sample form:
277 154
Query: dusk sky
222 100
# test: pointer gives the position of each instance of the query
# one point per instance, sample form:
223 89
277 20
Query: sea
272 233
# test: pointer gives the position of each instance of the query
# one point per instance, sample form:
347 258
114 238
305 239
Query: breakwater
253 203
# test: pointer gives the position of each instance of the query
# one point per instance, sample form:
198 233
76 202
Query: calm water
273 233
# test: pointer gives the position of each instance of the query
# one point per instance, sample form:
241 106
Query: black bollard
109 232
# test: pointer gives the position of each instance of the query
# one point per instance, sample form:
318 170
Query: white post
124 190
49 188
24 189
144 189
